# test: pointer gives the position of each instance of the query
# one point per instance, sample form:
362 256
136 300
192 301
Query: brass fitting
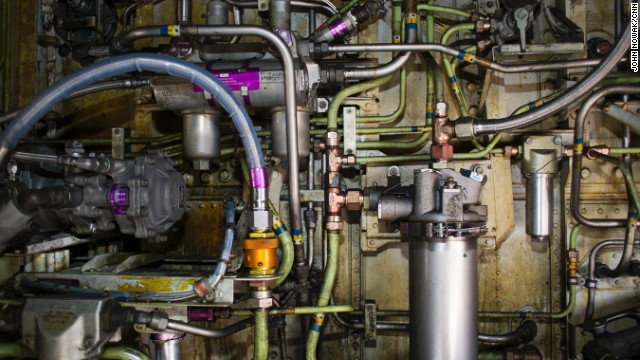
572 262
260 253
443 132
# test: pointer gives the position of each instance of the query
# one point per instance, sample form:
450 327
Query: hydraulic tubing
467 57
394 65
577 155
330 272
206 285
261 335
91 89
286 243
592 281
296 4
526 332
210 333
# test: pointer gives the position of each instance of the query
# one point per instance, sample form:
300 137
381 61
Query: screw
528 140
557 140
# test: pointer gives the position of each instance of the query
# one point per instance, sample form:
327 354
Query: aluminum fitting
260 219
260 303
159 321
332 139
441 109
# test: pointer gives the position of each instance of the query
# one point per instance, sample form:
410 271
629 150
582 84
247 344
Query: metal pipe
210 333
577 155
448 50
297 4
183 12
280 16
525 332
443 298
391 67
167 346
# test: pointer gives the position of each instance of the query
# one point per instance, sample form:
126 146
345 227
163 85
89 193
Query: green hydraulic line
330 272
404 145
617 151
443 10
555 315
334 106
14 350
302 310
286 243
383 130
122 353
396 14
455 86
431 75
305 310
261 335
620 80
379 118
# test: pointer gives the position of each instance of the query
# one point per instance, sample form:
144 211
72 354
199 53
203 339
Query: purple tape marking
338 28
119 198
259 178
244 79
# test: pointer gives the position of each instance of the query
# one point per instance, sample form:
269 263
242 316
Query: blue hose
225 252
119 65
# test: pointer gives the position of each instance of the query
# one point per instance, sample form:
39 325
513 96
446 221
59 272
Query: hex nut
354 200
260 219
349 160
464 128
260 303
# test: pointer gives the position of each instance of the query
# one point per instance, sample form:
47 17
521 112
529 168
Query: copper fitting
260 255
354 200
602 149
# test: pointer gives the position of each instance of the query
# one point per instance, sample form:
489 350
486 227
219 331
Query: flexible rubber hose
91 89
482 127
227 244
119 65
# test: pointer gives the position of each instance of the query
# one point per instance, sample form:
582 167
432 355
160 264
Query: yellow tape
173 30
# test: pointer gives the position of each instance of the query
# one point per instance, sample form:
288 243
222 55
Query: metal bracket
349 135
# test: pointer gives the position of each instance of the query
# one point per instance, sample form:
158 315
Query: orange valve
260 254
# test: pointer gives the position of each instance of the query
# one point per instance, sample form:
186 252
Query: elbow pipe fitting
483 127
526 332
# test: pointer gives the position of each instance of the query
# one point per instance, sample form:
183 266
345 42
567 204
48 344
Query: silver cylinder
280 15
167 346
201 137
540 207
217 13
443 298
183 12
279 133
258 84
391 208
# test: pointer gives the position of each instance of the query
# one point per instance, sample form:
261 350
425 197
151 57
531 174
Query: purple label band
119 198
244 79
339 28
259 178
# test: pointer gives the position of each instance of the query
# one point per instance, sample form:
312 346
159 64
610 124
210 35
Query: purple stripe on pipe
339 28
259 178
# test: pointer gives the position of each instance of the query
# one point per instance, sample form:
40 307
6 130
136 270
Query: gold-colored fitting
260 253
